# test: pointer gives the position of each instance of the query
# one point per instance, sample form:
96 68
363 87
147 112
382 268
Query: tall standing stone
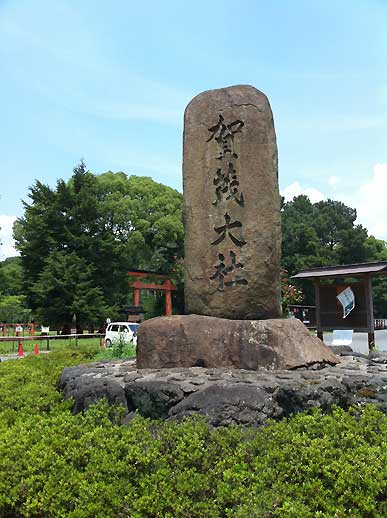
232 206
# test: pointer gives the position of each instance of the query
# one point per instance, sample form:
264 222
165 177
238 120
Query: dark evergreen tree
102 225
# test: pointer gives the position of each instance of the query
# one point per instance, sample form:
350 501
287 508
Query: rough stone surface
341 349
97 381
196 340
153 398
232 206
228 396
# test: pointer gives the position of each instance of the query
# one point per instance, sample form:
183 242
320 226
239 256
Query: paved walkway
15 356
360 341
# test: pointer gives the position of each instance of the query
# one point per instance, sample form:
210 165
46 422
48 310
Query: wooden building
330 281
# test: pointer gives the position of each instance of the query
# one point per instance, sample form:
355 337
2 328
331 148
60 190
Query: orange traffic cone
36 350
20 350
103 346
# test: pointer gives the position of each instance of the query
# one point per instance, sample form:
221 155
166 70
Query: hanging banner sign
347 300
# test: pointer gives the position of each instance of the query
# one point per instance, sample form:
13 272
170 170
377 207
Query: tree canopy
12 301
11 276
78 241
324 234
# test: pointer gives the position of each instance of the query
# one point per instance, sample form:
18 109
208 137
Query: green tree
11 276
13 309
378 252
376 249
13 306
322 234
66 287
326 233
110 223
341 240
301 247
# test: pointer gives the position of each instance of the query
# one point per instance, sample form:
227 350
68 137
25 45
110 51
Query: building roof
344 270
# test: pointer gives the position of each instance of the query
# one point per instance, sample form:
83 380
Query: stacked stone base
201 341
227 396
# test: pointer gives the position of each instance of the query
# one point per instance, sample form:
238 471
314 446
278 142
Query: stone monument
232 247
232 206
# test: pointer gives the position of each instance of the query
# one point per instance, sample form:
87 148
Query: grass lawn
60 343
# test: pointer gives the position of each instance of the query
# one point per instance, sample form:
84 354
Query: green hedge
54 464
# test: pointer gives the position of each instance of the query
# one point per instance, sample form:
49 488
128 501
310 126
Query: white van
116 331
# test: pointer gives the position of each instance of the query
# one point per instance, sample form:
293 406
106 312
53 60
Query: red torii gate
138 285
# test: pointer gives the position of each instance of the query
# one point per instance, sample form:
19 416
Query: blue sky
109 81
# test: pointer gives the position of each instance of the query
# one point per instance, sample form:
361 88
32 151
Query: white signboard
347 300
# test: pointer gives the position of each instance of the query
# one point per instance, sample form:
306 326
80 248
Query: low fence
44 341
22 329
381 323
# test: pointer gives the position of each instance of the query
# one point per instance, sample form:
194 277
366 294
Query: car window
114 327
133 327
124 329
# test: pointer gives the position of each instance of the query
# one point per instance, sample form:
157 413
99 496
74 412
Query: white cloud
333 181
370 201
7 243
295 189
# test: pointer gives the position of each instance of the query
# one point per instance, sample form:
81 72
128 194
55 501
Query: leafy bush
119 350
54 464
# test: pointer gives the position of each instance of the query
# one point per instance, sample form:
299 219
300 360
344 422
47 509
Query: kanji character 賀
224 135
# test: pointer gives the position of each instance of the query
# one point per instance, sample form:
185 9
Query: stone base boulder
227 396
201 341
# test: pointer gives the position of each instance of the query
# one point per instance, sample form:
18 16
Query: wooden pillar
370 312
136 294
320 333
168 298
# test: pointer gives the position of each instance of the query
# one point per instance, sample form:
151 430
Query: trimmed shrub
54 464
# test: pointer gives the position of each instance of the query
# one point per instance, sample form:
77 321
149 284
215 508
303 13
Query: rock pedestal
232 206
228 396
200 341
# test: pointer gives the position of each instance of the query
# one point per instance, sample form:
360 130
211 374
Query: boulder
226 404
341 350
86 390
202 341
152 398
